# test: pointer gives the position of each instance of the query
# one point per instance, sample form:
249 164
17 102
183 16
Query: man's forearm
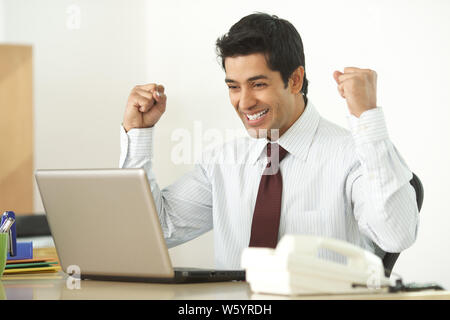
384 201
181 215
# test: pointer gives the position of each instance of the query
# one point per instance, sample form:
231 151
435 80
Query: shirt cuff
137 142
369 127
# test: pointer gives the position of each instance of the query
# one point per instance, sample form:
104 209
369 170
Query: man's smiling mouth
256 116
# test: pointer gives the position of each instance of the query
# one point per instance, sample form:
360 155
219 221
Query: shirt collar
296 140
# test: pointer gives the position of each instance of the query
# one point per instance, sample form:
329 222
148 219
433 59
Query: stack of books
31 266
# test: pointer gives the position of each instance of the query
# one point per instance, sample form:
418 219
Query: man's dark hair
262 33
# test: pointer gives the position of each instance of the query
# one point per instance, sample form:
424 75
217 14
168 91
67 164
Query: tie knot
273 149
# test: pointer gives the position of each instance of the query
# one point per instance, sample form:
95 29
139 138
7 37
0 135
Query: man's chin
254 133
260 133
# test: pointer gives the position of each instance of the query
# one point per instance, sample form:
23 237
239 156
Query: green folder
30 265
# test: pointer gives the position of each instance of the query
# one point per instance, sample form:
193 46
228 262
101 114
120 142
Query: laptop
104 223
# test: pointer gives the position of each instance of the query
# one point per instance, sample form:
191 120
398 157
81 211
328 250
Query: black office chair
389 258
32 225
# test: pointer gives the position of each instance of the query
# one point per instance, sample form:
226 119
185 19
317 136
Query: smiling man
260 96
296 173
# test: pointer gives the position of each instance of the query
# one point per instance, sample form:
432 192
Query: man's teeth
257 115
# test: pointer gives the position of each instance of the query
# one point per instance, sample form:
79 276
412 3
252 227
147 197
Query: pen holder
3 251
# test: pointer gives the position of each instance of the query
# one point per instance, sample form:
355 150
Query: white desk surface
53 286
56 288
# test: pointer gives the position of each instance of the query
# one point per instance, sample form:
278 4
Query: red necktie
266 217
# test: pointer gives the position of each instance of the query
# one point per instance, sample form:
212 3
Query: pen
6 228
7 224
12 244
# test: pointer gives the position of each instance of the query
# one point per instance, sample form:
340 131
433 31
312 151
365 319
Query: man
327 181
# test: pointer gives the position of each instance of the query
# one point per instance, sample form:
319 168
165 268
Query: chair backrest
389 258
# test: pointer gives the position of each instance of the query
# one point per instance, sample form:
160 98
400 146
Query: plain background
82 78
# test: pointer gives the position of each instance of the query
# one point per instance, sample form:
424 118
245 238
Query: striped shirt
350 185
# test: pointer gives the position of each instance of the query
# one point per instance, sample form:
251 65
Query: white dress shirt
350 185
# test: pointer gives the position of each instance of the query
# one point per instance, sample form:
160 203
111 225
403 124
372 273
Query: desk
55 288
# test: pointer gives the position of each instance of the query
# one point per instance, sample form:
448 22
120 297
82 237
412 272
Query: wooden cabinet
16 129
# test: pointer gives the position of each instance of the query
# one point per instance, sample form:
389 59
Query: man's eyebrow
258 77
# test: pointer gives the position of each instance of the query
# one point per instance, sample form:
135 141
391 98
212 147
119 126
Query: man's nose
246 100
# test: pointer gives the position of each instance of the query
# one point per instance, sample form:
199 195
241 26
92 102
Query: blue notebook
24 251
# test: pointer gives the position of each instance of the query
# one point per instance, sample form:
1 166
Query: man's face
259 96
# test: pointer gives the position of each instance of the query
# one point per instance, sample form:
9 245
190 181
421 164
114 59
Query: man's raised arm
185 207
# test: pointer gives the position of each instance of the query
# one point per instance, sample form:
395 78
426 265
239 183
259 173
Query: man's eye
232 87
259 85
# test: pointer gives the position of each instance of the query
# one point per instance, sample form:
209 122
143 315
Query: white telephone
294 267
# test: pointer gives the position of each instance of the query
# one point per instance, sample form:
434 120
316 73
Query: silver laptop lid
105 222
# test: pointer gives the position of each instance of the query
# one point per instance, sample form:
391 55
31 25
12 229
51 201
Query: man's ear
296 80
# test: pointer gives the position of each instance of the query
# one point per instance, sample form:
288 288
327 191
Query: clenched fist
358 87
145 106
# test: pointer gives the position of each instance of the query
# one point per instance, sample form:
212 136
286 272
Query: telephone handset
295 267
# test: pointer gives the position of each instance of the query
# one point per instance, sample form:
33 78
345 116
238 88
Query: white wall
83 77
2 22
